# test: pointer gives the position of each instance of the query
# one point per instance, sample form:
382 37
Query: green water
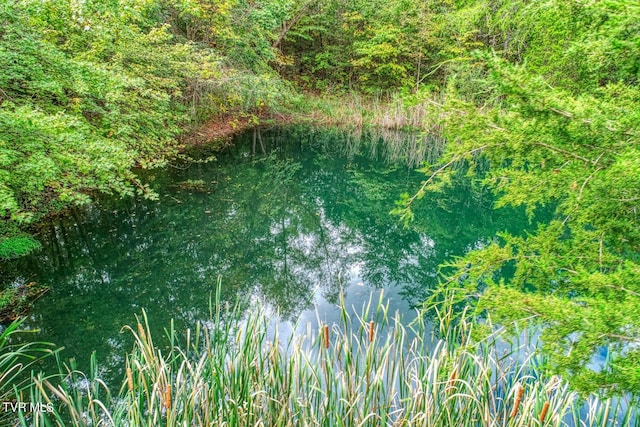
289 217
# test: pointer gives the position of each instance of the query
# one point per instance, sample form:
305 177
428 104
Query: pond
291 217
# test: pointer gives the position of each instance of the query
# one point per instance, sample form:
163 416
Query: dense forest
537 100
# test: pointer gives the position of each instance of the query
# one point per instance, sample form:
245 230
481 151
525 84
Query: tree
538 139
90 91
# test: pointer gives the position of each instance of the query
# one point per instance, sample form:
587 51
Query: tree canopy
91 91
556 127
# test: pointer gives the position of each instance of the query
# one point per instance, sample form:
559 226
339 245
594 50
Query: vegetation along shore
535 102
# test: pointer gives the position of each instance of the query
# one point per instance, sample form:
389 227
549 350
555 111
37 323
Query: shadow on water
289 216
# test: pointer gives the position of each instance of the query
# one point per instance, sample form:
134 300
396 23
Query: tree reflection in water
292 217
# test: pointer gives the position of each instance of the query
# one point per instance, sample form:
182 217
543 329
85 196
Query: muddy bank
219 131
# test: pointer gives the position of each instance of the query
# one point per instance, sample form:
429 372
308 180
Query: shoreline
221 130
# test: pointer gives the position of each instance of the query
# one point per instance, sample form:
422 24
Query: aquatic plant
17 360
370 369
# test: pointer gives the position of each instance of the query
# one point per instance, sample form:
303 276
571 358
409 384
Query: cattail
543 413
516 404
129 379
326 336
371 331
452 380
167 397
141 333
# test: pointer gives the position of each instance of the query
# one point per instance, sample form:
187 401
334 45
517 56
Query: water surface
289 217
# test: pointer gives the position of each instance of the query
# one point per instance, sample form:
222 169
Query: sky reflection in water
290 217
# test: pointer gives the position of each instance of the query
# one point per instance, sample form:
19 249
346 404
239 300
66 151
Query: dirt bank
222 129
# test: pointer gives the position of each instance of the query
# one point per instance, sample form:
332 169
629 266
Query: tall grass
394 146
369 369
17 360
384 111
410 131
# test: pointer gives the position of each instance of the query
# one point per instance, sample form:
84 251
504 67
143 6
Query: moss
14 247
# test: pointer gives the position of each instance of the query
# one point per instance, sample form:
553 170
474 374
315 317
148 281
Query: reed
16 362
237 370
383 111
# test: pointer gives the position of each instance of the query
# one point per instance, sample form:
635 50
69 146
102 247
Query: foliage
80 107
92 90
13 247
558 129
378 46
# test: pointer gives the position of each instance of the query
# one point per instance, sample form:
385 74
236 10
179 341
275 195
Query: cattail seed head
516 404
129 380
371 327
141 333
452 380
326 336
543 413
167 397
